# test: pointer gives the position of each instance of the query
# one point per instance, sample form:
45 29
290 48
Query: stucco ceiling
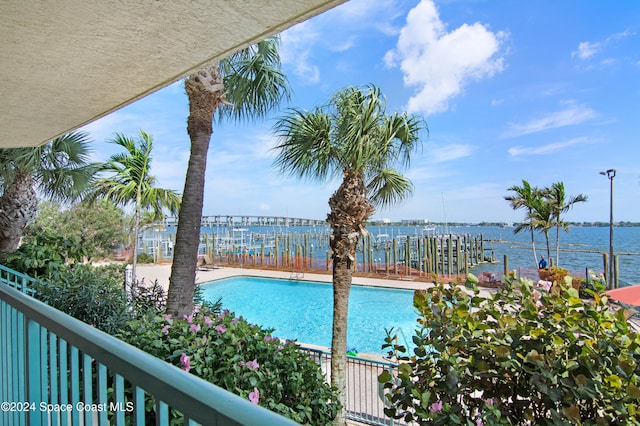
66 63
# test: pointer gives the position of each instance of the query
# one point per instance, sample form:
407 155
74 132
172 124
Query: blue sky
543 90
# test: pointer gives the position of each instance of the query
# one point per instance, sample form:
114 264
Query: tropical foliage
248 84
46 254
127 180
561 203
59 170
241 357
525 197
544 208
352 137
520 356
100 227
93 295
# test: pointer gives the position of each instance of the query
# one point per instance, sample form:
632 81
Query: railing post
33 370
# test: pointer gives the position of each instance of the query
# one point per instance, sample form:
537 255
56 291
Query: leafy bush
94 295
144 258
45 254
520 356
243 358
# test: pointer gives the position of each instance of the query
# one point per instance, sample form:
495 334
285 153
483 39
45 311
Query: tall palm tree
561 203
58 170
525 197
353 137
249 83
541 218
129 181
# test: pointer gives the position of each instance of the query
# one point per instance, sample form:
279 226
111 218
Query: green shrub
94 295
521 356
240 357
45 254
144 258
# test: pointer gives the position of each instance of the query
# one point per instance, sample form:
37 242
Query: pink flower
254 396
194 328
267 338
167 317
489 401
241 363
189 318
186 362
234 321
204 339
208 321
165 329
436 407
221 329
545 284
479 422
253 364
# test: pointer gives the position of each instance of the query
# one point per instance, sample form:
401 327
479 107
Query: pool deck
151 272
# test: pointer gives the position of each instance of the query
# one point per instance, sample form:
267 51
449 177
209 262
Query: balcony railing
365 396
56 370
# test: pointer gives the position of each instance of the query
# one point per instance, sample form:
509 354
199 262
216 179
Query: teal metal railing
56 370
365 395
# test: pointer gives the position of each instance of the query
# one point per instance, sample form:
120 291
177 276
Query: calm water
580 248
304 310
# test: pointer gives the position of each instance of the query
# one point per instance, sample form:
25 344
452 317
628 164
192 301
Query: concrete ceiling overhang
66 63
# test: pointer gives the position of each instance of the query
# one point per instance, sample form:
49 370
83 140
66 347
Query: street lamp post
610 174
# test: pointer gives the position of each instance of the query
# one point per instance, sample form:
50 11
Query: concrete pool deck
161 272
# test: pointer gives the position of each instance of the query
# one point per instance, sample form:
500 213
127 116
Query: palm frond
306 148
388 187
254 82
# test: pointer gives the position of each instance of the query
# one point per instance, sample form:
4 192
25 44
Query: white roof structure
66 63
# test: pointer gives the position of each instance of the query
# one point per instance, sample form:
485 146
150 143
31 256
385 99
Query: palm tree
128 181
249 83
561 203
58 170
541 218
352 137
525 197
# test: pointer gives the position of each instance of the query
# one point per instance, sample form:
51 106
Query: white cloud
296 46
587 49
337 30
449 153
574 114
517 151
440 63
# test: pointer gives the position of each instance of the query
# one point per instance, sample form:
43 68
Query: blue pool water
303 310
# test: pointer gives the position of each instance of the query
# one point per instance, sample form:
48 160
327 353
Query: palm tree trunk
557 246
546 236
202 105
134 256
350 210
533 246
18 208
342 276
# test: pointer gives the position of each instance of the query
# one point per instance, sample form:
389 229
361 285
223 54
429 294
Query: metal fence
365 399
56 370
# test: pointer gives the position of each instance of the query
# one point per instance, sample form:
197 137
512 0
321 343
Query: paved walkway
161 273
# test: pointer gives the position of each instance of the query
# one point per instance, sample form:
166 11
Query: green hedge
519 356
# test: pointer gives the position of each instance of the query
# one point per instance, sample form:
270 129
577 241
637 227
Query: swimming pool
303 310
